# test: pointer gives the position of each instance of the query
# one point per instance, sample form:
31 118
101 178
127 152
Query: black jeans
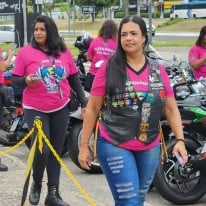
54 126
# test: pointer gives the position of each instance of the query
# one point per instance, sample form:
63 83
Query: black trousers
54 126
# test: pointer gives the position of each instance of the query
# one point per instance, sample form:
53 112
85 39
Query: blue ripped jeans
128 173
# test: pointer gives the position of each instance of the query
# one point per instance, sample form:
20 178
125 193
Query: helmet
82 42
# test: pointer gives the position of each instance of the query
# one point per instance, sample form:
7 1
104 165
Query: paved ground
94 185
12 183
168 52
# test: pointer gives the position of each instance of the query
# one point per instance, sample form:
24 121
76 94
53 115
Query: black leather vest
122 114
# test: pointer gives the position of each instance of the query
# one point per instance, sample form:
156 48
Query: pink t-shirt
52 92
140 82
195 53
1 73
100 49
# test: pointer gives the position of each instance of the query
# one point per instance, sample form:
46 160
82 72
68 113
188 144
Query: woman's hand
84 157
31 80
179 148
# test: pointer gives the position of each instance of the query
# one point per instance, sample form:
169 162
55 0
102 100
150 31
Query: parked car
7 33
153 26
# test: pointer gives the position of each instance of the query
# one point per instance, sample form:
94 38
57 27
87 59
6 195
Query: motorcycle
14 125
73 139
82 43
177 184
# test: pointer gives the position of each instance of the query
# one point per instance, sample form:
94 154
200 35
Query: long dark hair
200 38
116 66
54 42
108 30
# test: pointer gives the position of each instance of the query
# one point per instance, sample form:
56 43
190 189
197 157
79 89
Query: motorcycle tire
176 184
73 144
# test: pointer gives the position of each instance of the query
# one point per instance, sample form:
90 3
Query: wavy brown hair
108 30
200 38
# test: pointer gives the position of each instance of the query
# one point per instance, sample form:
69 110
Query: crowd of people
128 93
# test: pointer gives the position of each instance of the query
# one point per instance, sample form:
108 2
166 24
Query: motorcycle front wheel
177 184
73 144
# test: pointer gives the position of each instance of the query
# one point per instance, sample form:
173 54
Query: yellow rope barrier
95 140
10 149
164 152
39 138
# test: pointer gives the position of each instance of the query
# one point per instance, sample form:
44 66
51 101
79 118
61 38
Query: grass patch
75 51
5 46
172 21
186 43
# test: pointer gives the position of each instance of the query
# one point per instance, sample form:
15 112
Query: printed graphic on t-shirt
104 51
51 76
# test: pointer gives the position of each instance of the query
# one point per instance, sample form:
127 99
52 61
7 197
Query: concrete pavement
95 185
12 182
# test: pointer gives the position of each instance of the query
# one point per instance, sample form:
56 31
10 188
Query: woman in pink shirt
197 55
47 70
129 94
101 49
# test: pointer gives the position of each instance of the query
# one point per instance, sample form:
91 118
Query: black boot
34 195
53 198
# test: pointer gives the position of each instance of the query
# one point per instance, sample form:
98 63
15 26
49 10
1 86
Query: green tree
99 4
126 7
47 7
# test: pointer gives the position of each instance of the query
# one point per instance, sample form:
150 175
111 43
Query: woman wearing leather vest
128 96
